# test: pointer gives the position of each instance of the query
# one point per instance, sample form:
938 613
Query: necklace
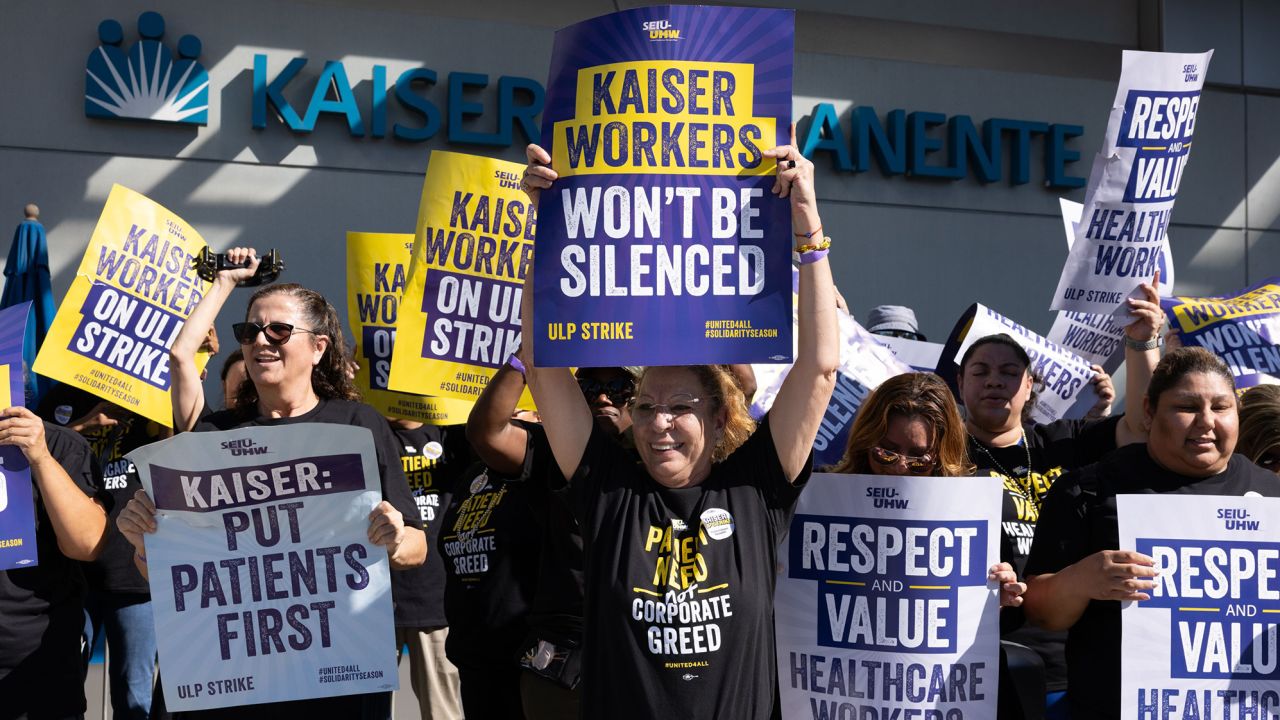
995 462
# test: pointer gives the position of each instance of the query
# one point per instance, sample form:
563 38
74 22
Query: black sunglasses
618 391
276 333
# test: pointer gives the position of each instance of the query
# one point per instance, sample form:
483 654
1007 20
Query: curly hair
722 389
329 378
910 395
1259 421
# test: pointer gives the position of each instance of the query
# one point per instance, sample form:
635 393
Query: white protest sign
864 364
1099 338
1131 192
1064 376
1205 644
883 608
264 583
922 356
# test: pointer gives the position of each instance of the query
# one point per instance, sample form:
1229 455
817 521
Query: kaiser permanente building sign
153 83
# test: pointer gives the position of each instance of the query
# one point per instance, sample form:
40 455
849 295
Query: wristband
516 365
812 256
1132 344
825 244
809 235
140 556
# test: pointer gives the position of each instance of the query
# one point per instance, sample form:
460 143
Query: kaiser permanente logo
147 81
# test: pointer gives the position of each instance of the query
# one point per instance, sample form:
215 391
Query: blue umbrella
26 278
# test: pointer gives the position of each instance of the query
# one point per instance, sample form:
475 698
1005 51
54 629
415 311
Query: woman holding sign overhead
996 385
1078 574
296 360
680 549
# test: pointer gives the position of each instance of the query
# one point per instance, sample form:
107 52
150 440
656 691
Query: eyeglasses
904 334
619 390
678 406
276 333
922 465
1269 460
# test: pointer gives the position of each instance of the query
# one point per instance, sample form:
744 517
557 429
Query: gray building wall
934 245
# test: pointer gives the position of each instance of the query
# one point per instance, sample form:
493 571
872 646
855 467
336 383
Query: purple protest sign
662 243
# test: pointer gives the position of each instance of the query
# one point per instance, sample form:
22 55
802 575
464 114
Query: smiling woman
297 362
680 550
1077 575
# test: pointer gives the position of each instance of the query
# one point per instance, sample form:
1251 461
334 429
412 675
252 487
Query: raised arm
186 392
1140 363
565 413
802 400
499 442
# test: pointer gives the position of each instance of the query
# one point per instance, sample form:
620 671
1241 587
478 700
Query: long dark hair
329 378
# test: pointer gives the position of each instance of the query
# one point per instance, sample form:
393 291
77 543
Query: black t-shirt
489 541
113 570
432 458
1055 448
679 591
42 607
395 490
556 611
1079 519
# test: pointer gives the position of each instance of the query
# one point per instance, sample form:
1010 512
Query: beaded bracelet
809 234
824 245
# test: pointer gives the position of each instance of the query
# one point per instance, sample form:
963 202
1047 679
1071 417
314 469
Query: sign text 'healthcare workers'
1134 183
662 224
884 604
1205 644
135 288
265 584
1243 330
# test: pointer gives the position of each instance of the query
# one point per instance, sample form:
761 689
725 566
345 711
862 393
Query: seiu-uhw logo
660 30
1190 73
244 447
146 81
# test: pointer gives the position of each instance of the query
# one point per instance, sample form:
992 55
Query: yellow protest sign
460 318
134 289
377 268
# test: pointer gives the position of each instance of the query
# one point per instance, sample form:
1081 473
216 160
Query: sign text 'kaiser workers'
1129 200
1205 644
377 276
883 608
264 582
661 242
459 318
135 288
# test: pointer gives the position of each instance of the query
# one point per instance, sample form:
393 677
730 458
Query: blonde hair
910 395
722 390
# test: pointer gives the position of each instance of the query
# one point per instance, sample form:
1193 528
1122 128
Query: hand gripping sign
377 275
1205 645
17 502
883 607
1099 338
1243 330
1134 182
460 316
263 580
661 242
135 288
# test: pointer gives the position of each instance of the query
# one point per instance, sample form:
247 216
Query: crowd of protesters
614 458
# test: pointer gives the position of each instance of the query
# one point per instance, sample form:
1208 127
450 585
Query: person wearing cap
894 321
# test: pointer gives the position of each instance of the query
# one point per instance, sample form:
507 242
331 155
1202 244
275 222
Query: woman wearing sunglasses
680 549
296 359
910 425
